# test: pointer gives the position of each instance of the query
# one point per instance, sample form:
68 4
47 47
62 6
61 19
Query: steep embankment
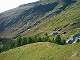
43 51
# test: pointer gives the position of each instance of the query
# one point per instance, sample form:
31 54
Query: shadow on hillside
60 9
67 3
40 9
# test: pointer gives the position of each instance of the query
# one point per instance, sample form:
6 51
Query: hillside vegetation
22 19
66 23
43 51
44 26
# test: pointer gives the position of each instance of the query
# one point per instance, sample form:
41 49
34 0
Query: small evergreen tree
24 40
30 40
46 38
13 44
57 40
19 41
63 42
52 40
35 38
1 46
78 40
39 39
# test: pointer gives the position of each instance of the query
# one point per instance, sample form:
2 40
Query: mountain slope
43 51
66 23
18 20
45 16
24 17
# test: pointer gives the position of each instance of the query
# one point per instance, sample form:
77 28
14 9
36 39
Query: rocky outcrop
73 39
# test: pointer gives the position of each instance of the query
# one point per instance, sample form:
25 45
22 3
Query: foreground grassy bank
43 51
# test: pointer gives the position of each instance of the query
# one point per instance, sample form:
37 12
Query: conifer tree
57 39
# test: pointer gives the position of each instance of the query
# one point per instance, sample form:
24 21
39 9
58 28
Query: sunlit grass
43 51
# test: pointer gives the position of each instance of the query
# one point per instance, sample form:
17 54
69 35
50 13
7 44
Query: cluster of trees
59 41
33 39
20 41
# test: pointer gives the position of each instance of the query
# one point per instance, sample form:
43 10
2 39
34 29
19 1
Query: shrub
25 40
1 46
78 40
46 38
19 41
63 42
57 39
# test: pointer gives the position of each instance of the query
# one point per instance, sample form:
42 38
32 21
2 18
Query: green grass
43 51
